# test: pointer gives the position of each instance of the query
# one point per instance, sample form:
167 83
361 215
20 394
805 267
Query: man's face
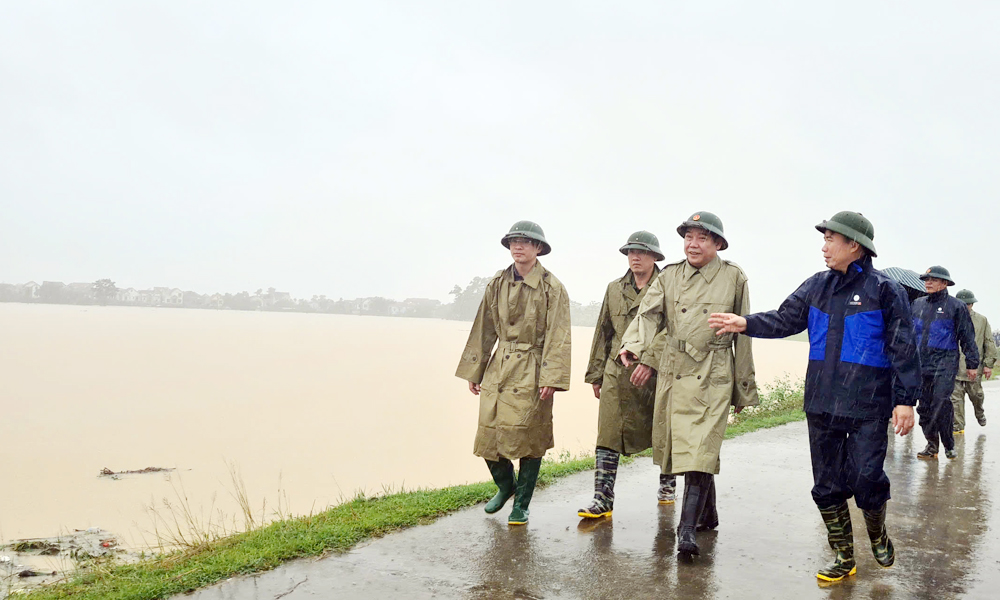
700 247
838 251
640 261
968 306
523 250
933 284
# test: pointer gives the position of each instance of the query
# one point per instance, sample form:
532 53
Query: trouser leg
976 395
926 410
945 413
828 452
867 444
958 405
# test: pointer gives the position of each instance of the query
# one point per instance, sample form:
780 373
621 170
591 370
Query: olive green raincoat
529 323
984 342
625 417
698 376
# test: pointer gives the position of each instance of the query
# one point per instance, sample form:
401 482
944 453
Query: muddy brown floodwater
316 406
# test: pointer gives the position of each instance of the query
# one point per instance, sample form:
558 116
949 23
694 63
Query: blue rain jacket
941 322
863 357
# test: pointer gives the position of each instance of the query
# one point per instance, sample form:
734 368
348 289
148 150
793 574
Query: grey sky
375 148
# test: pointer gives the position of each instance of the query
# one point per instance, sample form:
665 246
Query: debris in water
106 472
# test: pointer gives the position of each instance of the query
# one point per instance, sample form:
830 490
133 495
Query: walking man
525 315
625 417
988 355
941 322
699 375
863 369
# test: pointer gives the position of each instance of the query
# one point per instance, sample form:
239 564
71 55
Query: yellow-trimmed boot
885 554
527 476
840 535
605 472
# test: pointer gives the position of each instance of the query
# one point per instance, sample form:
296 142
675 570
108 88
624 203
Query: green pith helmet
530 230
643 240
706 221
939 272
853 226
966 296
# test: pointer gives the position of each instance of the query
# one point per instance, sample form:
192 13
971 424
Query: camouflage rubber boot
503 475
604 485
882 548
667 492
527 476
840 534
709 516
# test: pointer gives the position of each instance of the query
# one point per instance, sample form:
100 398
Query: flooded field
309 408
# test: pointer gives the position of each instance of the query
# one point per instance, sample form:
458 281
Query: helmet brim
657 255
848 233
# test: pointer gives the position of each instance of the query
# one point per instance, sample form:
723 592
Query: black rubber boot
503 475
527 476
709 516
604 485
694 501
840 534
882 548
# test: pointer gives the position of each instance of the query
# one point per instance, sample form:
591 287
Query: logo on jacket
856 301
940 309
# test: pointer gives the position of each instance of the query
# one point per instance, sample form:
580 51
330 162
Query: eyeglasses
520 241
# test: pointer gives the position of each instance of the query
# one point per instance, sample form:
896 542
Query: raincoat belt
519 347
694 352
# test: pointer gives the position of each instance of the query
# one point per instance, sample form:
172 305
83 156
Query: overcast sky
383 148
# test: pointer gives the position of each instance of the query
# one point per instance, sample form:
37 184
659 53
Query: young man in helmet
988 356
863 369
625 418
941 323
525 315
700 375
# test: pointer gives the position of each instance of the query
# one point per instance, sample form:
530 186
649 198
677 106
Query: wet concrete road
943 518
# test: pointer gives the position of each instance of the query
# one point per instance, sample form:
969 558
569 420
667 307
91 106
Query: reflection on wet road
942 518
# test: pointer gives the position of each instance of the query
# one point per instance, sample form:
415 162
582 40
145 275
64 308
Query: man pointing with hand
863 369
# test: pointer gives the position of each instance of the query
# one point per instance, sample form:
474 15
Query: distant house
216 301
173 297
81 291
149 297
30 290
127 296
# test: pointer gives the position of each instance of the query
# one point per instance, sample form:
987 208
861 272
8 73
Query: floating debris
106 472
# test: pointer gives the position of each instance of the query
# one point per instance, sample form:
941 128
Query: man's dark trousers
936 412
848 456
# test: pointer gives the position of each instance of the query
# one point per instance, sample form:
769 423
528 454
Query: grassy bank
341 527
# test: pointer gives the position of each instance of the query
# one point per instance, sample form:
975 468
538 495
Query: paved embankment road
943 519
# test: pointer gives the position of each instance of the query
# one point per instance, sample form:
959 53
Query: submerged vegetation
203 560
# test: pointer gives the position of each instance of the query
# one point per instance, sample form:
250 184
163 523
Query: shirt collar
533 278
709 271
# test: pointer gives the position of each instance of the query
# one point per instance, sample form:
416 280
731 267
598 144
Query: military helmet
966 296
706 221
530 230
643 240
939 272
853 226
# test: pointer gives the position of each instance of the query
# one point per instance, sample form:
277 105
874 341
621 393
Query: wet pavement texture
943 520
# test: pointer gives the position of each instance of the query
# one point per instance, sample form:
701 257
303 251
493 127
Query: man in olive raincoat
700 375
625 418
988 355
863 370
941 323
525 315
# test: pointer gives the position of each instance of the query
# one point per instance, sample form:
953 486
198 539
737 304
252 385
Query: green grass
340 528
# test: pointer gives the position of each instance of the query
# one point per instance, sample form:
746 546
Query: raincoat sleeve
989 348
554 371
791 317
649 320
967 337
901 345
745 386
483 336
604 334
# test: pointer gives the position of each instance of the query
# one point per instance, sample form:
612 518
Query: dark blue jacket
863 357
941 322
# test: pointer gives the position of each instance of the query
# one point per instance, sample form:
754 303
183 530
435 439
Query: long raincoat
528 322
625 417
984 343
700 375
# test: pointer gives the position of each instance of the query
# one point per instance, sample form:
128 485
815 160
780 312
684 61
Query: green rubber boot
503 475
527 476
885 554
840 534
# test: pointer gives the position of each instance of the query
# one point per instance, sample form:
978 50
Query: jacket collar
709 271
855 270
938 296
628 283
533 278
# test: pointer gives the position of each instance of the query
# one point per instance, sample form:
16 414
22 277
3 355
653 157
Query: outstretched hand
727 323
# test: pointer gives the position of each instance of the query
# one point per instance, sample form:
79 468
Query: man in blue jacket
941 322
863 369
